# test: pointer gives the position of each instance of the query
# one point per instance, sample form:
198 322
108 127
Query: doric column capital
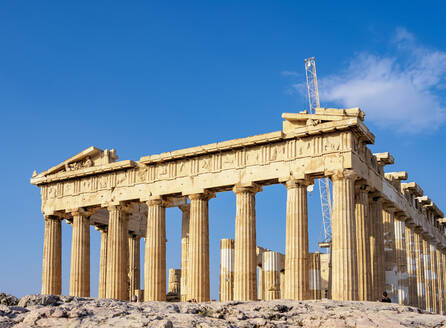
185 208
410 223
122 207
377 197
81 211
101 228
400 216
426 236
52 217
251 189
156 202
362 186
294 183
344 174
202 195
418 229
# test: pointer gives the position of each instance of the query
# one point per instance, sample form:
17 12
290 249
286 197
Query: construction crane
323 184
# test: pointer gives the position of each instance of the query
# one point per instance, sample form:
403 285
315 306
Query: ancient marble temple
386 234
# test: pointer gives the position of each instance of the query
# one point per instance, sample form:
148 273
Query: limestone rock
8 300
53 311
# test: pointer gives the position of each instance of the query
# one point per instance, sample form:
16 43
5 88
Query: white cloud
289 73
399 91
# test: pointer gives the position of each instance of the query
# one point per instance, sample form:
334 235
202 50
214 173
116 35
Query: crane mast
323 184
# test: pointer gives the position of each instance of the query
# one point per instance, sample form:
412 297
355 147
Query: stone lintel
413 188
410 223
434 208
384 158
398 176
441 220
202 195
427 236
401 216
251 187
424 200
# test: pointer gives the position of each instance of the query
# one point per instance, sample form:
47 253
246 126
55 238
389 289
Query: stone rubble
6 299
68 311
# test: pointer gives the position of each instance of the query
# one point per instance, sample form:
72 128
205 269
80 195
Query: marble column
261 287
345 269
155 252
376 247
443 274
390 263
245 265
282 284
363 242
427 274
271 275
198 265
185 209
401 261
80 255
433 280
296 247
440 281
419 262
52 262
315 276
117 253
134 265
103 262
226 270
411 264
174 287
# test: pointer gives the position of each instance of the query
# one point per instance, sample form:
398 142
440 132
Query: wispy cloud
290 73
401 91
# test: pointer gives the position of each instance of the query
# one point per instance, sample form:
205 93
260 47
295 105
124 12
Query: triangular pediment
87 158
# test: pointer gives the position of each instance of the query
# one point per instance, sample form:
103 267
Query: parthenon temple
386 234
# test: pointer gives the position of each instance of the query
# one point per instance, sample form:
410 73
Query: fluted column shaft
411 265
271 275
363 242
103 263
315 276
427 275
443 274
226 270
345 269
245 267
261 287
117 254
440 281
198 265
134 265
296 247
52 262
434 283
282 284
155 252
390 263
376 247
401 261
80 256
185 209
419 261
174 286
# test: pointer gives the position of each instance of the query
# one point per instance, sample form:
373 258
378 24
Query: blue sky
146 77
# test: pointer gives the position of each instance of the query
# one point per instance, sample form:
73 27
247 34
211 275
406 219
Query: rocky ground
67 311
